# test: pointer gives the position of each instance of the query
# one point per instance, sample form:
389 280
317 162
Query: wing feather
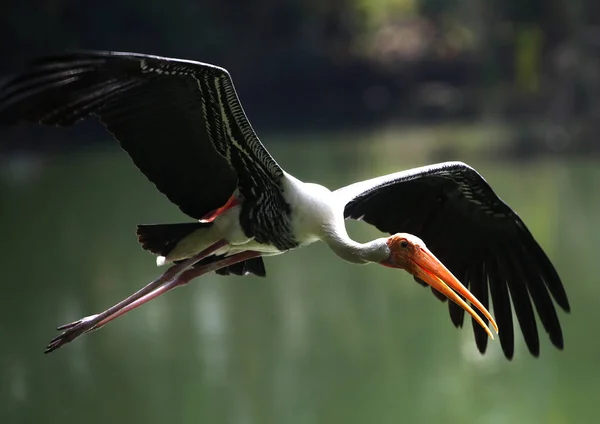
477 236
162 113
502 308
518 290
476 273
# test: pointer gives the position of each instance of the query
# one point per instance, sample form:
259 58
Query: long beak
429 269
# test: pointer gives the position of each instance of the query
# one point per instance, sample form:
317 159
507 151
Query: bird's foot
70 332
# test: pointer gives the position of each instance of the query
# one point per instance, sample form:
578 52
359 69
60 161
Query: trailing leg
76 328
182 279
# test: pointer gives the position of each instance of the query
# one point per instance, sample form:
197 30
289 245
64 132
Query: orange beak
429 269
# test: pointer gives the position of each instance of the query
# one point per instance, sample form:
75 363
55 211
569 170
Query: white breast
313 209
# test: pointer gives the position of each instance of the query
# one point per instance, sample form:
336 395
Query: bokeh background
338 90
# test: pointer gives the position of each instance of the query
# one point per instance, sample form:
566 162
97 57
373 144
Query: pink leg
76 328
182 279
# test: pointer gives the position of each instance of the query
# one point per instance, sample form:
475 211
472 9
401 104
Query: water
317 341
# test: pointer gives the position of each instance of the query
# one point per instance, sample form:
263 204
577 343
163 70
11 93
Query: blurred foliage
340 63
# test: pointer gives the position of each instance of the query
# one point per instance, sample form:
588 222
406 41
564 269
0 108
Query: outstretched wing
180 121
477 236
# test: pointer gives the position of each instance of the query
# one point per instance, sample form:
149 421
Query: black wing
180 121
477 236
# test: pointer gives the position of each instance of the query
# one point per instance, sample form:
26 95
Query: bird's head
408 252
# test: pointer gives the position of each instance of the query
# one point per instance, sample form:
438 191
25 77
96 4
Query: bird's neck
352 251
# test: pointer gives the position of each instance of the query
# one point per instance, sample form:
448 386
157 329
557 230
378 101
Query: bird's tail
161 239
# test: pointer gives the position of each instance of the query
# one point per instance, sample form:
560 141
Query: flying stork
182 124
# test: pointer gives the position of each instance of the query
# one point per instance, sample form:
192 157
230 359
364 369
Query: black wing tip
557 339
533 346
563 302
457 314
481 343
56 90
508 347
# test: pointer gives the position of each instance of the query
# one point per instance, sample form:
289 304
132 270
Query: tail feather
161 239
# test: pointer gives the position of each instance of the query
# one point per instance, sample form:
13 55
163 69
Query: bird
182 124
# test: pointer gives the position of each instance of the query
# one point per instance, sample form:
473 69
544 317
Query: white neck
352 251
319 214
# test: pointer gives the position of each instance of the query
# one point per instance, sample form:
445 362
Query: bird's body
313 209
182 124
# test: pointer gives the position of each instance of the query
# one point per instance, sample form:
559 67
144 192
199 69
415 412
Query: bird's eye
404 244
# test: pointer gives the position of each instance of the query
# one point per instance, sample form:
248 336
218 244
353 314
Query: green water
317 341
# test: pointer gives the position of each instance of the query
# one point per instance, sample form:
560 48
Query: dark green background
339 91
319 340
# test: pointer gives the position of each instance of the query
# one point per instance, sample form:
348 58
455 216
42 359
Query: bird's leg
76 328
184 278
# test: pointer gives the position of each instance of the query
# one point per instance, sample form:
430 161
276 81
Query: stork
182 124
